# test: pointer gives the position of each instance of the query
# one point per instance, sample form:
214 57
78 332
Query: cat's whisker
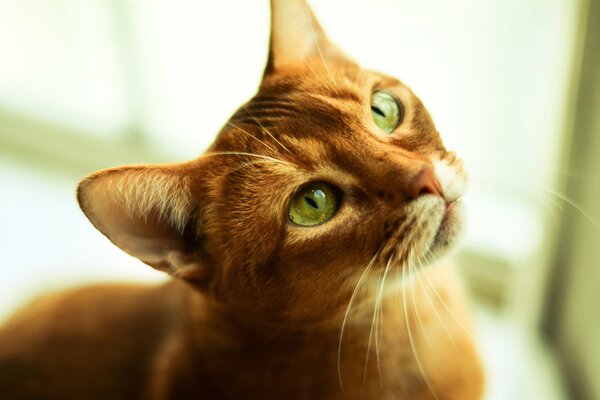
247 164
573 204
252 136
476 165
268 132
242 153
379 313
347 313
548 202
446 307
551 205
433 307
409 332
371 331
539 188
412 271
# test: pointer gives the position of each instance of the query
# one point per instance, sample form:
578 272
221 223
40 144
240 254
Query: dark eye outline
378 111
336 191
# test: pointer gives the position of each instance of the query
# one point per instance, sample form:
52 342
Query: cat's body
168 342
304 243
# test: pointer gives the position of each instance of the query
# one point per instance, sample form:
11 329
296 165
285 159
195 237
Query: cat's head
329 170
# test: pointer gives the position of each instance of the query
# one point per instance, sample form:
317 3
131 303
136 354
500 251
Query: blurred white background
90 84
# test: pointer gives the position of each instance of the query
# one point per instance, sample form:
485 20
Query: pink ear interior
144 211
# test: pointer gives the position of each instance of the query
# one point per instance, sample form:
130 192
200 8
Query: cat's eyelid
377 85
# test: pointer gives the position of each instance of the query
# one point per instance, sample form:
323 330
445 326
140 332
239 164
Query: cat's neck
374 339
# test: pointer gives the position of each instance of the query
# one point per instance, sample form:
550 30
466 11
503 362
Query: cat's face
320 129
330 169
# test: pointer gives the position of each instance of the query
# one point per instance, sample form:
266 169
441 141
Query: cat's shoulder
91 341
95 312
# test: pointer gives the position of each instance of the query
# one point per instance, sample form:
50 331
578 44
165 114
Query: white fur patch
452 179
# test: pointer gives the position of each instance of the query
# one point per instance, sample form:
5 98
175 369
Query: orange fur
355 308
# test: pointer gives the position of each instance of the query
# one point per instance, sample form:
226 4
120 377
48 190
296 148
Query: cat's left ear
149 212
297 37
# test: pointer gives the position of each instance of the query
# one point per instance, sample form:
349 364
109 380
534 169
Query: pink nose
424 182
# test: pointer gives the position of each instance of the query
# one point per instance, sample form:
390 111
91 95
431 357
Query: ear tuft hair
165 195
148 213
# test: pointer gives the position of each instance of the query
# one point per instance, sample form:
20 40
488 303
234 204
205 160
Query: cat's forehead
320 116
318 94
347 82
304 101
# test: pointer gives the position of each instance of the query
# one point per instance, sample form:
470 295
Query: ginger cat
303 246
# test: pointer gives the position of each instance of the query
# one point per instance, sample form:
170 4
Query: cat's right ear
150 212
297 37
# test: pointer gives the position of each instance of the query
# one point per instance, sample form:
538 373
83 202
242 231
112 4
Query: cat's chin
449 230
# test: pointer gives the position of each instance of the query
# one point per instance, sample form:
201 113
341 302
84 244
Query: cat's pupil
377 111
311 202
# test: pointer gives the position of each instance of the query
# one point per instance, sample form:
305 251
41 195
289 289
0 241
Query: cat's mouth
449 206
437 227
428 227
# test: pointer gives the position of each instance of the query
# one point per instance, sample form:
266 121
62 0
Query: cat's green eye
387 112
313 204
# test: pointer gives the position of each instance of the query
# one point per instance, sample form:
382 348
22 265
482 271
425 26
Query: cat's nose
423 182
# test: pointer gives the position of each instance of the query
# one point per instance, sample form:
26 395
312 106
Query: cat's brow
312 109
264 110
346 93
